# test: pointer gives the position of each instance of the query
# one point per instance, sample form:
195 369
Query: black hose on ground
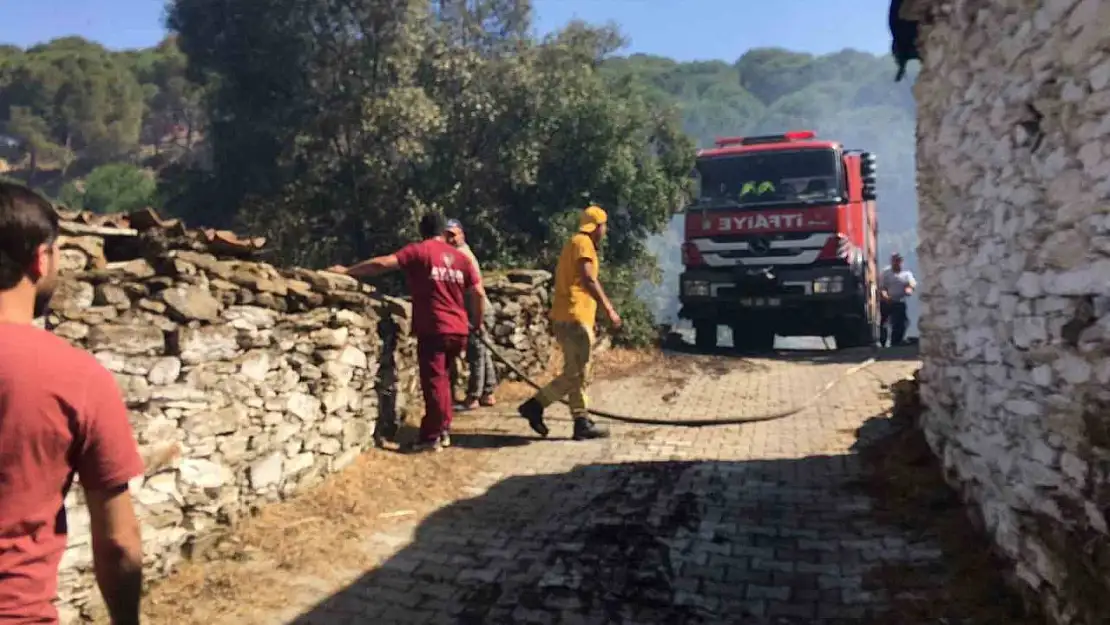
693 423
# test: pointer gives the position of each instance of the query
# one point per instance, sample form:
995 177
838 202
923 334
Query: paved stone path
736 524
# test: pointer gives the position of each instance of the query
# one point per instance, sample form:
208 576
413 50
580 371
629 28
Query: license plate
774 301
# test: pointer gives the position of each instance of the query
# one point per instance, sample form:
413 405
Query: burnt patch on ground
609 557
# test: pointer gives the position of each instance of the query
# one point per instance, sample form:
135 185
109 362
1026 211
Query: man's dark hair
432 225
27 221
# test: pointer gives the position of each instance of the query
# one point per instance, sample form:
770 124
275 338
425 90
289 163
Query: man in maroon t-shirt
441 279
60 415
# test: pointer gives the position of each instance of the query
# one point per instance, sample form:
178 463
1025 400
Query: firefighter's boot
532 410
585 429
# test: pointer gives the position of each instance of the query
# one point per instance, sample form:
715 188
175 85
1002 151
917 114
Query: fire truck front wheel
705 335
753 339
861 333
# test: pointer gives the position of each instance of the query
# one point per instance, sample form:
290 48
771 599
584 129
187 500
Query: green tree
74 95
113 188
174 103
36 141
377 112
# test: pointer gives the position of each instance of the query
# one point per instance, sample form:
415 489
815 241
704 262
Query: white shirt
895 283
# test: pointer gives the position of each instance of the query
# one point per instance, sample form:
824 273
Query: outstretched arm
369 268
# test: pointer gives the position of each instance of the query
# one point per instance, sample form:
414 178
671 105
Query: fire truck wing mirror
869 190
868 163
867 166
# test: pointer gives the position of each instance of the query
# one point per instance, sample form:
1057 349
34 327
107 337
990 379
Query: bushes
114 188
639 324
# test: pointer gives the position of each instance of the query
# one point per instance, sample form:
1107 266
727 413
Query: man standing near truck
441 279
574 313
895 285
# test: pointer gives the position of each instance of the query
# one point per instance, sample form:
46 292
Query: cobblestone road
737 524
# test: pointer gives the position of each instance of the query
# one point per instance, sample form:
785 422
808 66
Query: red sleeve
407 255
109 455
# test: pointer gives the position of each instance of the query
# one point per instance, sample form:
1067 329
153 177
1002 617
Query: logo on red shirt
438 277
446 273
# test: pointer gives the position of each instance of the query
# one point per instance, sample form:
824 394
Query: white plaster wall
1013 152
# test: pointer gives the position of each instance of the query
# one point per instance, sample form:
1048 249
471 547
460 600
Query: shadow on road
901 353
906 353
488 441
769 541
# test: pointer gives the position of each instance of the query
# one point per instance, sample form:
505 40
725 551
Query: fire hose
693 423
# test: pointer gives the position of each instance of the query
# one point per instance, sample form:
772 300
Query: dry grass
904 479
318 534
313 535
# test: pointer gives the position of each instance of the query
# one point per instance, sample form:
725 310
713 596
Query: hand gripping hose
695 423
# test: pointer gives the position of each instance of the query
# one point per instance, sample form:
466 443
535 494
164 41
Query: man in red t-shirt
441 279
60 415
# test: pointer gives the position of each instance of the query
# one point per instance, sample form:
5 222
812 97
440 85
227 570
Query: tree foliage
70 98
335 125
174 104
72 101
112 188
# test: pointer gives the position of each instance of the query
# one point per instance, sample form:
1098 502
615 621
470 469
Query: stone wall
246 383
1014 175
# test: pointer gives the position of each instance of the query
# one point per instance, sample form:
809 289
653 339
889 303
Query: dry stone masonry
1014 187
246 383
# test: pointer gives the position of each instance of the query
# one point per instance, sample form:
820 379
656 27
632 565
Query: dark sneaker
426 446
385 433
585 429
445 440
532 410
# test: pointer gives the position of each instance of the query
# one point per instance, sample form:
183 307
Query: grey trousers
483 377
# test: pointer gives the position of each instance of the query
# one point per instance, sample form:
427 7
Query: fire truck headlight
833 284
696 288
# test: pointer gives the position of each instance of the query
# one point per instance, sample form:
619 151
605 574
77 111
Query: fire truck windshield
769 178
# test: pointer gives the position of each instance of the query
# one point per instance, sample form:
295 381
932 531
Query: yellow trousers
576 341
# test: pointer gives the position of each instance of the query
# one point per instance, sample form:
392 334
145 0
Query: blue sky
681 29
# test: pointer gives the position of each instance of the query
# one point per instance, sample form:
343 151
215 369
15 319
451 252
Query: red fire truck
781 239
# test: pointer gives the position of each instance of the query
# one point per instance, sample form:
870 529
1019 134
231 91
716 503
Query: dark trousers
893 313
436 354
483 376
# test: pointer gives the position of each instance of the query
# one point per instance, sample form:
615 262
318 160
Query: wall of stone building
246 383
1014 183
